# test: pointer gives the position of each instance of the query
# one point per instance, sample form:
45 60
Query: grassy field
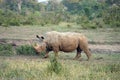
101 67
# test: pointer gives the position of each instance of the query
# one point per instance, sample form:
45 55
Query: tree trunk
19 6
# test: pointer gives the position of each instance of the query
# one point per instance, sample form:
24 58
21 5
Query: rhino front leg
56 50
46 55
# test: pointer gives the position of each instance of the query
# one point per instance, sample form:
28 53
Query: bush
14 22
25 50
6 50
8 18
85 23
89 25
54 66
112 16
99 22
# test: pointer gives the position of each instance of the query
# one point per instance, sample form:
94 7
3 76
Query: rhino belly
68 48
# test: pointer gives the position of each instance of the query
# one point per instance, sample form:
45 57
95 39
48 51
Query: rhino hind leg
86 51
78 55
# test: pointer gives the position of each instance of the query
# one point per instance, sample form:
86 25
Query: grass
25 50
6 50
35 68
22 67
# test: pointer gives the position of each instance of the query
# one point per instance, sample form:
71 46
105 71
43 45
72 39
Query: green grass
21 67
25 50
35 68
6 50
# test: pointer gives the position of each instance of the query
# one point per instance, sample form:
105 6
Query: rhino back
67 41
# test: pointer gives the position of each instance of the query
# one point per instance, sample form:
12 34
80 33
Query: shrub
89 25
42 54
85 23
25 50
6 50
99 22
14 22
112 16
9 17
54 66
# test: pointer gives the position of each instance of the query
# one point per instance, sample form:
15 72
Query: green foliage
9 18
112 16
10 15
18 68
87 24
6 50
4 65
54 66
30 12
25 50
113 68
54 6
91 8
9 72
111 2
99 22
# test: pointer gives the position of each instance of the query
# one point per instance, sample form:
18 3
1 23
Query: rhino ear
37 36
42 37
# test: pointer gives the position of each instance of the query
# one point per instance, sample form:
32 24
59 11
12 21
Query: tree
112 16
111 2
19 6
90 8
54 5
